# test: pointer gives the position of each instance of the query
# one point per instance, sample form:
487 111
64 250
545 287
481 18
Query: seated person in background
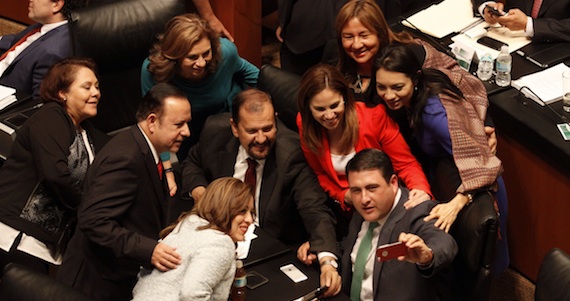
333 128
26 57
191 56
362 32
381 218
446 124
205 239
541 20
42 179
124 204
252 145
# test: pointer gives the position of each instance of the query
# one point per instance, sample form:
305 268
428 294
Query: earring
416 88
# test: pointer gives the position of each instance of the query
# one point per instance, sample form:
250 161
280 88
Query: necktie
535 8
160 169
250 175
22 40
360 262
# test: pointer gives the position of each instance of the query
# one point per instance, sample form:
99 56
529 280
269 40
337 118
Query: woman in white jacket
205 238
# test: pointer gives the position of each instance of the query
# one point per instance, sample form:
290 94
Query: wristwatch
331 262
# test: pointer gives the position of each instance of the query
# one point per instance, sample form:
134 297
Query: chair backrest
283 87
117 35
475 231
24 284
553 280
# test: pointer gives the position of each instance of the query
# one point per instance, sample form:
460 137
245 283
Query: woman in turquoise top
191 56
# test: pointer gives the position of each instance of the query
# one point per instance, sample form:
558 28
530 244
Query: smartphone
293 273
494 11
255 280
491 43
314 295
391 251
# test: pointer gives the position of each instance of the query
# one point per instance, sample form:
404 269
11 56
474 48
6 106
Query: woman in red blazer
333 128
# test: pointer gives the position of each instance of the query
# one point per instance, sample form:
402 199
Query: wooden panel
539 204
242 18
16 10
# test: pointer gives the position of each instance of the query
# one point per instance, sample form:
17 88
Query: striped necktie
535 8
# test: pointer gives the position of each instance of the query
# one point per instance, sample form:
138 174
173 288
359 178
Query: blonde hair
224 199
180 35
314 81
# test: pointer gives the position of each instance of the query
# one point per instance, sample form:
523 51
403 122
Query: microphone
432 41
562 117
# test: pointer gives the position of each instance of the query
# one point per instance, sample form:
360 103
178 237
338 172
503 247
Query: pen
539 64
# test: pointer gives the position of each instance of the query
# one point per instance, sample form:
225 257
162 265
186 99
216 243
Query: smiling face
327 107
256 130
395 88
171 128
359 42
371 195
82 96
241 222
194 65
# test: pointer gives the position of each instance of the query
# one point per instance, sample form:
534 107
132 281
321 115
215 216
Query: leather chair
553 280
283 87
23 284
117 35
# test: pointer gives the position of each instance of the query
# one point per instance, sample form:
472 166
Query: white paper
547 84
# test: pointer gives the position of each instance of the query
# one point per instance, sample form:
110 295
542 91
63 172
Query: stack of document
7 96
444 18
544 87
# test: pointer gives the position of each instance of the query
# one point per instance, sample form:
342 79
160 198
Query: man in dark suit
542 20
288 199
381 219
125 202
24 66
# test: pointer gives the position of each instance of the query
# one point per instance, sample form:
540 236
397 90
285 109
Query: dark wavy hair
401 59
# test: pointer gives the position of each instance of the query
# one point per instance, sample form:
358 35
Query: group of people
360 171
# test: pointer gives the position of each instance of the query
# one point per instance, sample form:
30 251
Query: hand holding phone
391 251
494 11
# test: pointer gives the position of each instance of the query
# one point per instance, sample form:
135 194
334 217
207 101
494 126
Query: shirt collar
47 27
152 149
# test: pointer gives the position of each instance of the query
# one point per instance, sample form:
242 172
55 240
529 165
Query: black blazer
122 212
396 280
291 201
40 153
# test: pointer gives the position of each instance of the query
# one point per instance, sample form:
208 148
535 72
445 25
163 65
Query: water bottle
238 288
485 69
504 60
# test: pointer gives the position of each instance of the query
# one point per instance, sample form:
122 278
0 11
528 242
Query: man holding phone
541 20
420 272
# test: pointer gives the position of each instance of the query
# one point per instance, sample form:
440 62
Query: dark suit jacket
291 201
122 212
29 68
553 21
396 280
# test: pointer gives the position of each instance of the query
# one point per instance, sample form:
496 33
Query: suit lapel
269 180
32 47
150 167
386 234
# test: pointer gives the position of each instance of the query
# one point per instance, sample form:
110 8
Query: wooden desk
537 175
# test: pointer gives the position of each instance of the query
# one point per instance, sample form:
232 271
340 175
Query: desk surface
266 256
